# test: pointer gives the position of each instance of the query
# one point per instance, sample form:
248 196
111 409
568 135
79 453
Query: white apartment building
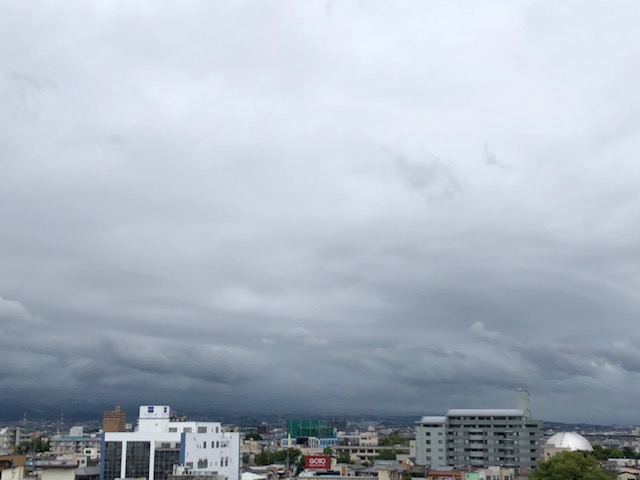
369 438
76 442
159 444
10 438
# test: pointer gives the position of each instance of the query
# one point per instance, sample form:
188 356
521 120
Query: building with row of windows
114 420
76 443
10 438
480 437
160 444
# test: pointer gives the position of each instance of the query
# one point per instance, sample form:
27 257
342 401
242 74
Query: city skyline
391 207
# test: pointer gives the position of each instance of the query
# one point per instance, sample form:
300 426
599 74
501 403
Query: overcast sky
322 205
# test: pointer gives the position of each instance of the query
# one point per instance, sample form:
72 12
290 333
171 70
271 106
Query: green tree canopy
263 458
569 466
36 445
628 452
253 436
600 452
603 453
393 440
292 455
344 457
327 451
387 454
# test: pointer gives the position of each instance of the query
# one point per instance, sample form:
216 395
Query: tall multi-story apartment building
480 437
114 421
159 444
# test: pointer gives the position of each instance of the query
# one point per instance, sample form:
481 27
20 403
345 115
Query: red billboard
318 462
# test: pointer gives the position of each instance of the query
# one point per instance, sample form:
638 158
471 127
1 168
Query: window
164 461
149 409
189 464
428 442
216 429
112 459
202 463
204 444
173 429
202 429
138 454
187 429
217 444
428 450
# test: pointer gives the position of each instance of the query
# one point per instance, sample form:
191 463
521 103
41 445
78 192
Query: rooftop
433 419
485 412
570 440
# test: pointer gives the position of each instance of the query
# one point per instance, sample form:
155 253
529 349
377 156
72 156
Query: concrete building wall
203 447
58 474
480 438
431 442
10 438
154 418
210 449
153 438
114 421
15 473
369 438
487 440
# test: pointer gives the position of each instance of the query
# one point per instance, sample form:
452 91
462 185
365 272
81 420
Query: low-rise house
628 473
12 467
446 473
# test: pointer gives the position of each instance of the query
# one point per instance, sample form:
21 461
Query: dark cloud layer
342 206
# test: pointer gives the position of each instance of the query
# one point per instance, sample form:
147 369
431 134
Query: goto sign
317 461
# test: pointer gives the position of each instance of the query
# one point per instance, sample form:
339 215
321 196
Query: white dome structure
570 441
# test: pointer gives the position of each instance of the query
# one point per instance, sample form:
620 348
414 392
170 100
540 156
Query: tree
327 451
615 453
387 454
603 453
628 452
37 445
344 457
569 466
392 441
292 455
263 458
600 452
253 436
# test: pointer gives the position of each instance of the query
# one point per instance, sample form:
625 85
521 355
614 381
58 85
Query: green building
312 427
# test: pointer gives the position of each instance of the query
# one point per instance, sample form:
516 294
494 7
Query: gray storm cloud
203 202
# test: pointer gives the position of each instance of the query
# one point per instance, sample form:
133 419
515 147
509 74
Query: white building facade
159 444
